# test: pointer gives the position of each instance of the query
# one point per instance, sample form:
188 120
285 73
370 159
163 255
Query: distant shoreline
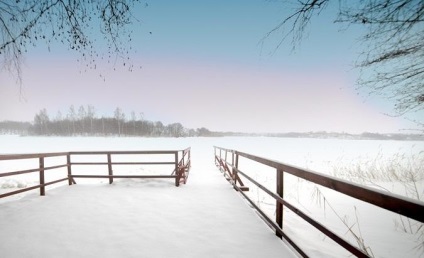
292 135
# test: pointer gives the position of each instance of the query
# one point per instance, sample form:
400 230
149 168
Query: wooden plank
233 175
109 167
121 152
177 174
224 149
41 169
56 181
89 163
336 238
124 176
272 224
123 163
31 155
31 188
13 173
19 191
244 188
42 188
279 205
68 161
143 163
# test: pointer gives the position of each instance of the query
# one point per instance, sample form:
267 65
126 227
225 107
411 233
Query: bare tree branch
392 63
25 23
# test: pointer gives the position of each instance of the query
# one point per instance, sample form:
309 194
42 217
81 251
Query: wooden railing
228 161
40 169
180 161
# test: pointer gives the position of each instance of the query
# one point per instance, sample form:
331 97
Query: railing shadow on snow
228 162
180 160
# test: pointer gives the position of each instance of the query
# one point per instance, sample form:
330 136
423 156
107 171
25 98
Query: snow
138 218
204 218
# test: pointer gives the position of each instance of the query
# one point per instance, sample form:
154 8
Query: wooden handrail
401 205
396 203
32 187
14 173
32 155
122 152
122 176
122 163
182 169
110 163
41 169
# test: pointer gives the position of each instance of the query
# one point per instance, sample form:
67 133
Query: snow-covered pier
138 212
138 218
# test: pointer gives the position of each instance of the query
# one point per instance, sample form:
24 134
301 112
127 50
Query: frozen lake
381 231
314 154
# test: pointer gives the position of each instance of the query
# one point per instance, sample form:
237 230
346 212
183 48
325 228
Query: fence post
177 172
279 206
68 162
237 159
233 174
235 171
109 166
189 157
42 187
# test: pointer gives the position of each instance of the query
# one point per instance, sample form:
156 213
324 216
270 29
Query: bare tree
91 113
25 23
82 114
392 63
133 120
72 116
120 119
41 121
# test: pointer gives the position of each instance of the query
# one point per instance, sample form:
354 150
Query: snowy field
382 233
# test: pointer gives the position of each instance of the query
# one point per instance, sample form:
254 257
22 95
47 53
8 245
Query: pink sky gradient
204 65
219 97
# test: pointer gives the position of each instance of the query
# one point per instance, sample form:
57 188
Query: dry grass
403 171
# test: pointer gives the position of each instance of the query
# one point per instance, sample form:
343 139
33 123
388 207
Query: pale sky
204 65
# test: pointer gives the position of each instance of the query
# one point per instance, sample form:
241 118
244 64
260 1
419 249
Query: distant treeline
86 123
12 127
347 136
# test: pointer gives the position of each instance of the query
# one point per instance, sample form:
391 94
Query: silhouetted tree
25 23
392 63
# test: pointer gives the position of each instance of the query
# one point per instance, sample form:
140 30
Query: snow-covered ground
148 215
138 218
